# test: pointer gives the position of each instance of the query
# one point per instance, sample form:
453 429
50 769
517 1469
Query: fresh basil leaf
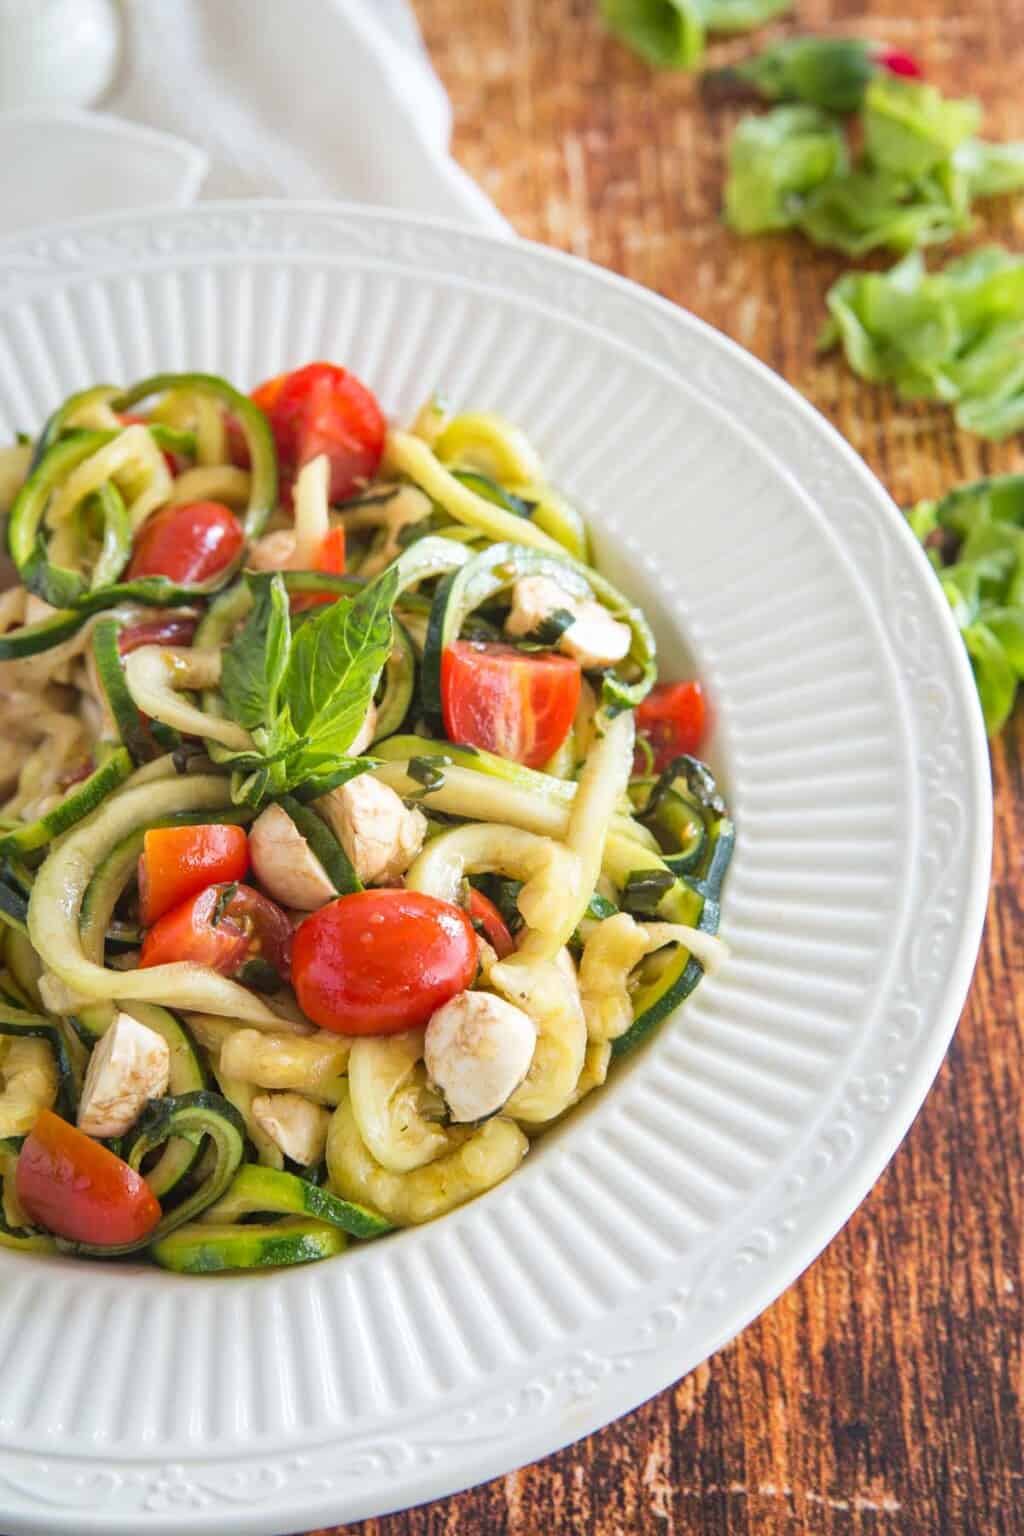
335 665
667 33
256 661
775 161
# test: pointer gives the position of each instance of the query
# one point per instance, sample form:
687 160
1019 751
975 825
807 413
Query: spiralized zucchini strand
156 675
60 885
476 796
408 455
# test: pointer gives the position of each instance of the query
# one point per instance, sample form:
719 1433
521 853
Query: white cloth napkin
299 99
243 98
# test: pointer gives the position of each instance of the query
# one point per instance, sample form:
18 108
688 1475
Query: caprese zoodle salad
347 833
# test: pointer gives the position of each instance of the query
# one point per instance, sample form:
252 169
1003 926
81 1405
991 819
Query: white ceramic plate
717 1163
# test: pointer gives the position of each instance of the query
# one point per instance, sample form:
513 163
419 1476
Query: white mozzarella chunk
478 1048
594 638
129 1065
379 834
293 1123
285 865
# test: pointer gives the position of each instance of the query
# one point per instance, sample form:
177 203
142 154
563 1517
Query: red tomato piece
516 703
222 928
79 1189
188 544
178 862
330 557
483 911
672 719
378 962
178 631
324 409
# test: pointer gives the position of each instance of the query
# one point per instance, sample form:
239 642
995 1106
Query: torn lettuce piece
955 335
910 127
667 33
670 34
974 537
827 72
775 161
870 209
990 170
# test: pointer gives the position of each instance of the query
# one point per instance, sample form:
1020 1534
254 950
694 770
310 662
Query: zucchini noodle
321 895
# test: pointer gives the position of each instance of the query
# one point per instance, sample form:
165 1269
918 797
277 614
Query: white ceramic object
716 1164
89 163
57 52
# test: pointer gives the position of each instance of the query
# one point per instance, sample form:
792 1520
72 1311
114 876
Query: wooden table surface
881 1395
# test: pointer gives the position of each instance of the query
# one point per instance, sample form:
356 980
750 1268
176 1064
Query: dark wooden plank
881 1396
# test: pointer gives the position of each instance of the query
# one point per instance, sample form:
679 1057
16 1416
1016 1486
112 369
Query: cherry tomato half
672 719
483 911
324 409
223 927
187 544
330 557
178 862
516 703
381 961
79 1189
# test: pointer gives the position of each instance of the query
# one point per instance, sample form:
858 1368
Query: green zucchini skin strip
323 845
254 425
268 1192
18 1021
81 802
497 568
32 639
110 671
59 421
62 881
195 1116
66 589
201 1249
656 1001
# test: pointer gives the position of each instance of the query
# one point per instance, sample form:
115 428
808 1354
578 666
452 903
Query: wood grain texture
881 1395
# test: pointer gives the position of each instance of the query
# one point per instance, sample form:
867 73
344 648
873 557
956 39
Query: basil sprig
303 694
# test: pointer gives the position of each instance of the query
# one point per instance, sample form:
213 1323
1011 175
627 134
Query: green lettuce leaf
910 127
913 183
955 335
827 72
870 209
975 538
774 162
670 34
667 33
742 15
990 170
